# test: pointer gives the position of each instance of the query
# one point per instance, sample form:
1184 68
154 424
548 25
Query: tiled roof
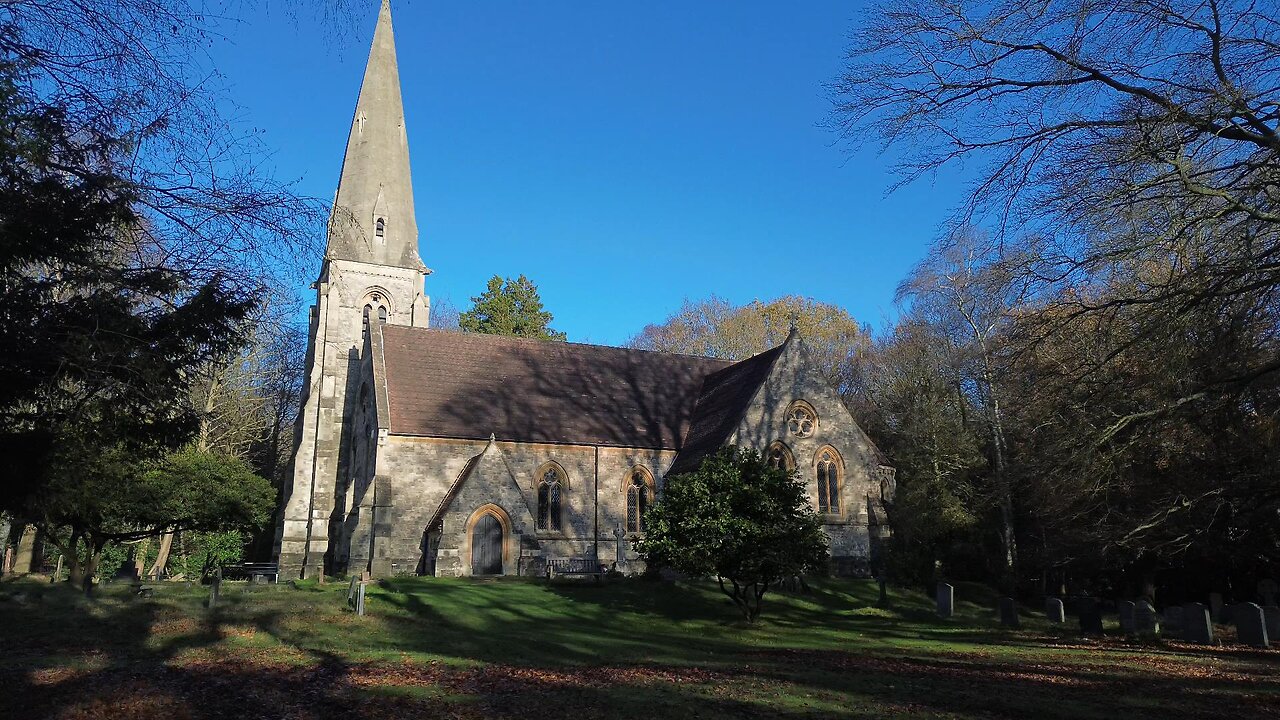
460 385
724 398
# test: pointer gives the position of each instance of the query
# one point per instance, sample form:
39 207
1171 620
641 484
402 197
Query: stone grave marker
1146 621
351 590
1090 614
215 589
1271 615
1251 625
1197 627
1126 609
1009 612
360 599
1215 606
1054 610
1173 621
946 600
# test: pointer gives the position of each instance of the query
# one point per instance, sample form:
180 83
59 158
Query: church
430 452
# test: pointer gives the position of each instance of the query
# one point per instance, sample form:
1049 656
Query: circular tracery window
801 421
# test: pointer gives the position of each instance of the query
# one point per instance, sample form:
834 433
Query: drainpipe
595 533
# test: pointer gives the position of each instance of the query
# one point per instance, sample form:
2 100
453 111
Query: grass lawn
635 649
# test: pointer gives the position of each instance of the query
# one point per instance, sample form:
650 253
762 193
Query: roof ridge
559 343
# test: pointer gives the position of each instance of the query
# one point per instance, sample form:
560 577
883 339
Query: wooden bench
558 567
252 571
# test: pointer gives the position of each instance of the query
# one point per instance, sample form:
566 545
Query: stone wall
793 379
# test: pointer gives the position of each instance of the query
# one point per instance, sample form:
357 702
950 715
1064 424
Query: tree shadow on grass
499 650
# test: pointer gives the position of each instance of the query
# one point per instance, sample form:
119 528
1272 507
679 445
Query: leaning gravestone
1054 611
1271 615
1090 615
946 600
1009 613
1196 624
215 588
1126 617
1251 626
1146 622
1215 606
1173 621
351 590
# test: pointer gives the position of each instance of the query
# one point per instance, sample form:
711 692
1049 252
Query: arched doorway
486 546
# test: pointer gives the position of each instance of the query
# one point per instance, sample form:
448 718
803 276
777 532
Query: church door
486 547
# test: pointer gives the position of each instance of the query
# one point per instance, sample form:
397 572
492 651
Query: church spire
373 219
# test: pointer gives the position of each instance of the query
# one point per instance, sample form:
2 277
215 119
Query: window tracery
802 420
828 483
639 497
549 492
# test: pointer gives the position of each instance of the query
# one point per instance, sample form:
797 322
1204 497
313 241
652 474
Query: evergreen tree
509 307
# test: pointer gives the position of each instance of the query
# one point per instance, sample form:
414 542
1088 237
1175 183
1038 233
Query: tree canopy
737 518
509 307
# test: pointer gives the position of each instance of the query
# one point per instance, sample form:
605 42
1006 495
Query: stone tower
371 273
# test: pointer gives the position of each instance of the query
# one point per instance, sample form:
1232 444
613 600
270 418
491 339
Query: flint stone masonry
1197 625
1054 610
946 600
1251 625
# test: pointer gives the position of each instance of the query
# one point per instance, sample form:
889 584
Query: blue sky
623 156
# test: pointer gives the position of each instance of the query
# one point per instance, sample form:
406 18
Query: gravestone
1009 613
1145 620
1173 621
1215 606
1126 617
1054 610
215 588
946 600
351 591
1090 615
1197 627
360 599
1271 616
1251 625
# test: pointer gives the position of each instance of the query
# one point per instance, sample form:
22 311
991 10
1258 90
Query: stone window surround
801 406
789 457
829 518
564 487
627 482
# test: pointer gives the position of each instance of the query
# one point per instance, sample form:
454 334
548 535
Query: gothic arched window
549 490
380 228
828 483
779 456
639 496
382 315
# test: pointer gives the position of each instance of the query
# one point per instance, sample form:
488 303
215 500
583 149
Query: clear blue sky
623 156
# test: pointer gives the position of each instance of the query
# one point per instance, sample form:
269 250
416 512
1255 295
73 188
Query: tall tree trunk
162 556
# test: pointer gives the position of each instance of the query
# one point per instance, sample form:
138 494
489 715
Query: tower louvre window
364 325
380 229
382 315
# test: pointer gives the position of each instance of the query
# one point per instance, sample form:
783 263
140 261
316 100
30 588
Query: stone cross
1196 624
1173 621
1090 615
1145 620
1009 612
1054 610
946 600
1251 625
1126 617
620 537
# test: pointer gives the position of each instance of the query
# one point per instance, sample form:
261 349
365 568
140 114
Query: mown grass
434 647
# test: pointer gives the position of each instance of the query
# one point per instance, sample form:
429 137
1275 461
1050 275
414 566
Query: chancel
422 451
